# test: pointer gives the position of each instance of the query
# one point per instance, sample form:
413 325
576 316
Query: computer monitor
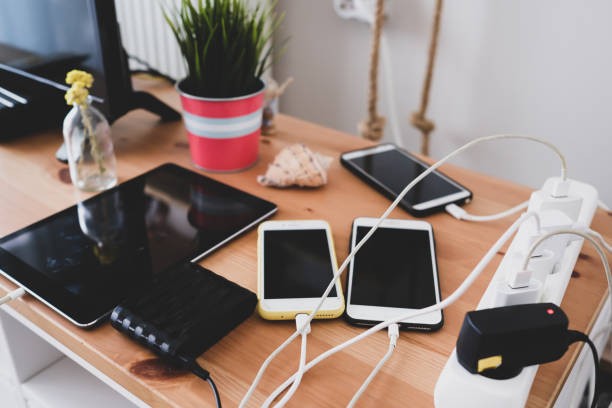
41 40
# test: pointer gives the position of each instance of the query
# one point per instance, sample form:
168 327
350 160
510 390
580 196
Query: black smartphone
394 273
389 169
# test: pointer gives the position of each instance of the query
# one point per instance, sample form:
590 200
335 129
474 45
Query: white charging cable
388 211
588 237
603 206
17 293
302 325
468 281
601 240
393 331
461 214
390 88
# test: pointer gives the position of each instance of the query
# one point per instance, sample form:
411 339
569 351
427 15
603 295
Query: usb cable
205 375
601 240
302 325
192 365
393 331
461 214
17 293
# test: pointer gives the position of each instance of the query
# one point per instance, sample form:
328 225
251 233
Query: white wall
536 67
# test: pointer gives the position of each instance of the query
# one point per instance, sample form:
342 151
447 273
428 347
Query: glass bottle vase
89 148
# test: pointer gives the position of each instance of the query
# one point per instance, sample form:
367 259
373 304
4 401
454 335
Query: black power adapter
497 343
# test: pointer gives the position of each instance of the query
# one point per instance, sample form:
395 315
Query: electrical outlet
542 265
360 10
526 293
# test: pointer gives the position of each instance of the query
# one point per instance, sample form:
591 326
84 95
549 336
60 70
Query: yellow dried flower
76 76
77 94
80 81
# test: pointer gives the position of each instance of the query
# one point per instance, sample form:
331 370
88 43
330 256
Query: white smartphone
393 273
296 262
389 169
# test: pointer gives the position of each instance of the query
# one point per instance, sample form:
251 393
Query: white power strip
456 387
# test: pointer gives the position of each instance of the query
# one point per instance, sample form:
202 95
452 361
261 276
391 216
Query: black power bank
186 311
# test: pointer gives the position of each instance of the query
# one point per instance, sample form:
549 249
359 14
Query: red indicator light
550 311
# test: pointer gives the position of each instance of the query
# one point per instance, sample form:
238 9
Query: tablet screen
86 259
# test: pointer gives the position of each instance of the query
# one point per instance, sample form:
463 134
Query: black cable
575 336
205 375
149 69
215 391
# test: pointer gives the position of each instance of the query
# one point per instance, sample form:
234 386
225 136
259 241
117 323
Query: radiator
146 35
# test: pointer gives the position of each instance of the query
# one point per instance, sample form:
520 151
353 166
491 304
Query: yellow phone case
290 314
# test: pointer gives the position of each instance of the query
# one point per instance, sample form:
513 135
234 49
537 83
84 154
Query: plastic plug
302 324
558 197
538 268
519 279
542 265
393 332
560 188
361 10
507 296
17 293
550 220
456 211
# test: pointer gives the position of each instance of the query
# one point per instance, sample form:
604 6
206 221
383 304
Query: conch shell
296 165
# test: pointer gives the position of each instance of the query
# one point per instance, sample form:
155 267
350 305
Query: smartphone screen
393 273
396 170
393 269
297 264
390 170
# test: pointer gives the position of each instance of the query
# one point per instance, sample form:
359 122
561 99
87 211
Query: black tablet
83 261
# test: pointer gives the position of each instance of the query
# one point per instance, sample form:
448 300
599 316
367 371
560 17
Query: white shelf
37 371
65 384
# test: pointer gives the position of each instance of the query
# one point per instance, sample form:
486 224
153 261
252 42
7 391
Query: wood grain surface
35 185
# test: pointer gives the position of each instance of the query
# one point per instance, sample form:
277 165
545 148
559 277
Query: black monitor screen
50 37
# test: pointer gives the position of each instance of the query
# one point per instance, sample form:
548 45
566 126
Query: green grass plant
226 45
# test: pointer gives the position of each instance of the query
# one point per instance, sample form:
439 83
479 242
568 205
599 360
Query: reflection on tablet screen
87 258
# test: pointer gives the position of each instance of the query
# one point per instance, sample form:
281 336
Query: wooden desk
34 185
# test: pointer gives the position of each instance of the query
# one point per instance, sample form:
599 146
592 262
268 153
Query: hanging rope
373 127
418 119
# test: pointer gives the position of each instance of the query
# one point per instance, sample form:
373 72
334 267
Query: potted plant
226 48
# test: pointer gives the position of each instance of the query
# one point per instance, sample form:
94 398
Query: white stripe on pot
216 129
203 121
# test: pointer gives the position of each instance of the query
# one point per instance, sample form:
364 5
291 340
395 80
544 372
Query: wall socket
360 10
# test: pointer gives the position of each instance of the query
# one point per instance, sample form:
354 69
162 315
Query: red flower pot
223 132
